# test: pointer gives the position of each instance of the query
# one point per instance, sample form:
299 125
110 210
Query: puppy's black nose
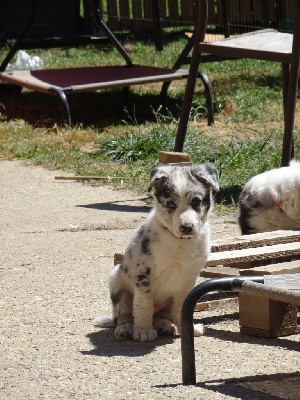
186 229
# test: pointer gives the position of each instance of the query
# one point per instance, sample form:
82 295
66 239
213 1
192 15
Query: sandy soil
57 244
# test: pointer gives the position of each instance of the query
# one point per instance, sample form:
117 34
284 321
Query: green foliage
136 146
236 159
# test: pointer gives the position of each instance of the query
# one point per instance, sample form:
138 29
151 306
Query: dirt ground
57 244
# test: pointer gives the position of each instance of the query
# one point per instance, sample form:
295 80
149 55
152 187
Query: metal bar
181 60
208 97
187 328
272 292
17 45
291 95
100 23
187 101
201 11
225 17
64 102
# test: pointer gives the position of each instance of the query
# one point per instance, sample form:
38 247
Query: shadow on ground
105 344
281 386
99 109
118 206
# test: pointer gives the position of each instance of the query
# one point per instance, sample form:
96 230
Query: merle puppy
165 255
271 201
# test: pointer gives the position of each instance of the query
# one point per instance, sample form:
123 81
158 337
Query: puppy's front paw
144 334
199 330
123 332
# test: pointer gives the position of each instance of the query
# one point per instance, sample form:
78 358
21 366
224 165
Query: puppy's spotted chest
160 265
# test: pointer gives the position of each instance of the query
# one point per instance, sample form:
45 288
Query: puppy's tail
104 322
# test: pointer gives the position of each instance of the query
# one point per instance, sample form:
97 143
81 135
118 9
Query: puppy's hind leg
164 326
122 305
162 322
122 313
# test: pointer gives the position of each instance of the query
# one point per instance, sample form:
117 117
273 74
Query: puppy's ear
206 173
158 175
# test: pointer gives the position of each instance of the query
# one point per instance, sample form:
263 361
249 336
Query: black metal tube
17 45
208 98
102 25
64 102
187 328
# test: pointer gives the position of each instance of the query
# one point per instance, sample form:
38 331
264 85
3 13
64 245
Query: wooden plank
187 11
212 12
136 9
219 271
112 14
124 12
265 333
171 157
124 8
206 305
291 267
262 317
218 14
286 282
148 10
137 16
162 8
256 240
284 251
174 10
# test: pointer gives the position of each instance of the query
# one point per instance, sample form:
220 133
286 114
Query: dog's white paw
144 334
123 332
199 330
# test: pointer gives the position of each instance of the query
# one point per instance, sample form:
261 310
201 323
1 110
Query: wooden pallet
272 253
259 254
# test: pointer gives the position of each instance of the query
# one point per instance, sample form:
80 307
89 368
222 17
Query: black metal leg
187 101
290 86
64 101
181 60
113 39
18 43
187 328
208 98
290 90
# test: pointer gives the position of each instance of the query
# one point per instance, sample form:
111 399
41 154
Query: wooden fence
132 14
155 15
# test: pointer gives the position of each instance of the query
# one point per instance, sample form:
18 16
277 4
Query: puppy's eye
171 205
195 203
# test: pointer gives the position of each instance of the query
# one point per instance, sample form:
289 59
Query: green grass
119 138
237 159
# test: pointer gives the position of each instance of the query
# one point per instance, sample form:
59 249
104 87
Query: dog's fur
271 201
165 255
